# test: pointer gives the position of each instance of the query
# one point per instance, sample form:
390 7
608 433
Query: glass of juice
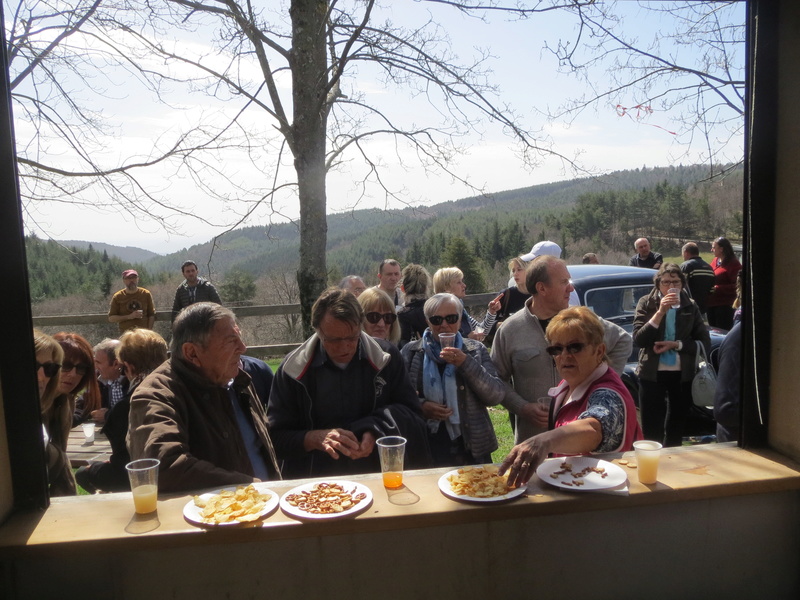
143 475
647 455
391 450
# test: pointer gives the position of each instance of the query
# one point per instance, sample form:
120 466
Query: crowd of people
404 358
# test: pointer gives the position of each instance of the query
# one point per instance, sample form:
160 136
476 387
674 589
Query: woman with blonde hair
141 351
512 298
380 318
591 410
56 414
450 280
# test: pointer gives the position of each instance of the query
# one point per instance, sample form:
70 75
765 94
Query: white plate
593 481
192 512
444 486
350 487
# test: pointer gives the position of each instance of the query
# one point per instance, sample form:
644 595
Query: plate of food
478 484
326 500
582 473
232 505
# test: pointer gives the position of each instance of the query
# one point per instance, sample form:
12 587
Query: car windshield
613 303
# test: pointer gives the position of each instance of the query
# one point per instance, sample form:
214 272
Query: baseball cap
542 248
129 273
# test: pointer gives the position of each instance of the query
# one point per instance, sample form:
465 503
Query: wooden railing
471 301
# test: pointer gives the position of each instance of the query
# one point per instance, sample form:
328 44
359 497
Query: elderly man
646 259
193 289
198 412
132 306
353 284
519 347
113 383
389 276
340 391
699 275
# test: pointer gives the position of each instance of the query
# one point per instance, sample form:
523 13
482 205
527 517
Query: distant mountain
128 253
359 239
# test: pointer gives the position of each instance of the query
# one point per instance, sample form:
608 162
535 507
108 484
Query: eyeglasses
671 282
437 320
340 340
570 348
374 317
50 368
79 369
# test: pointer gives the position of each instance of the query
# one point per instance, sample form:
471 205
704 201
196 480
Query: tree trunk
310 77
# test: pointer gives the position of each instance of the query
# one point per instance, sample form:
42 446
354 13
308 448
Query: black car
612 292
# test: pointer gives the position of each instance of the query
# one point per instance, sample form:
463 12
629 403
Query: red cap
129 273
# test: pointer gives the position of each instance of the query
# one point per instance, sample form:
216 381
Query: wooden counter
108 521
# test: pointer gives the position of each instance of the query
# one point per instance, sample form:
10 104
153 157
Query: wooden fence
242 312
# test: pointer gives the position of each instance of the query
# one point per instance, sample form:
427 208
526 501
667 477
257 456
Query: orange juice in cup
143 475
392 479
392 450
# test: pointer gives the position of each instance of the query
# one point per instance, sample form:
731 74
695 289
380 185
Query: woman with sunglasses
666 327
591 410
77 375
455 384
56 414
380 318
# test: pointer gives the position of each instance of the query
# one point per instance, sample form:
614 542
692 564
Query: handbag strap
701 354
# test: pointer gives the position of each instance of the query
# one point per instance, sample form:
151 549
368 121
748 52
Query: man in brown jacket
198 412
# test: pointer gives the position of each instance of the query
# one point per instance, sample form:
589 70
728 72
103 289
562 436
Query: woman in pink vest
591 411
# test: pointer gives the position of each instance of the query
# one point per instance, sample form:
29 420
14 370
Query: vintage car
612 292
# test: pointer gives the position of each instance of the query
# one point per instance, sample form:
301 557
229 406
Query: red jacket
724 292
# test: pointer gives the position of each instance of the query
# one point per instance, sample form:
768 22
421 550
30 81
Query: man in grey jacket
193 289
519 347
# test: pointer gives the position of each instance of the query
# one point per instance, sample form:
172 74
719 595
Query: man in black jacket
699 275
193 289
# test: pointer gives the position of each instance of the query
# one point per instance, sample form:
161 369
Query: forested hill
492 228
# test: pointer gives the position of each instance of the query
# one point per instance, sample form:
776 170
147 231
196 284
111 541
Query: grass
502 429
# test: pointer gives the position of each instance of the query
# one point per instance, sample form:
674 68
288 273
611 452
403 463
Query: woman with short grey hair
455 383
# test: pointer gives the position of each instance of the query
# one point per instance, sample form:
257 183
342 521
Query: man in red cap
133 306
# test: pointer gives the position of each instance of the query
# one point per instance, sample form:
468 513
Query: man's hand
99 415
535 413
366 447
332 441
435 411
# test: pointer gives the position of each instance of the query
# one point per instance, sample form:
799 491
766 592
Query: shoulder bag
704 383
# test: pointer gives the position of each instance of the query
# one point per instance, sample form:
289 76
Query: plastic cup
675 291
391 450
143 475
88 432
647 455
447 340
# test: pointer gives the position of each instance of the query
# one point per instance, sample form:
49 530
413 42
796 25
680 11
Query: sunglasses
79 369
570 348
437 320
50 368
374 317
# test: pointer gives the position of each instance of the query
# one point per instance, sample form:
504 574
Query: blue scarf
440 388
670 357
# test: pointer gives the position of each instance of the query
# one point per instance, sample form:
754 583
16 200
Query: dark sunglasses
570 348
374 317
50 368
437 320
79 369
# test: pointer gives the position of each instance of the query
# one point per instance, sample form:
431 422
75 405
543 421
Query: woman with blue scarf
666 327
455 384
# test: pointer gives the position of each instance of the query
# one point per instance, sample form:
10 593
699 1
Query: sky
526 77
